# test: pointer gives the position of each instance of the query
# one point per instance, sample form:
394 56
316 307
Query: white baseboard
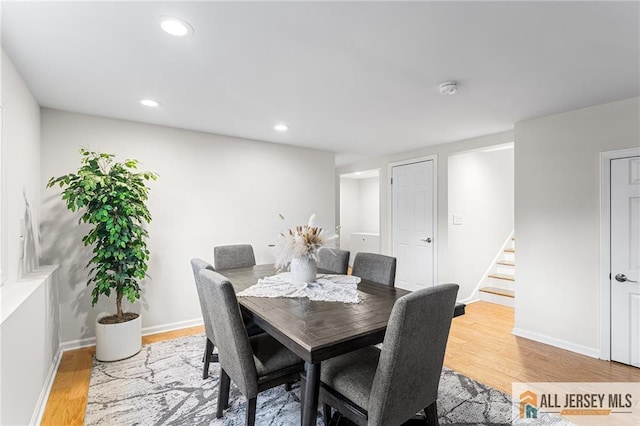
558 343
91 341
173 326
77 344
41 404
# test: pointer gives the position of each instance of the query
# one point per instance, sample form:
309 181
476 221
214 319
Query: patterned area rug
163 385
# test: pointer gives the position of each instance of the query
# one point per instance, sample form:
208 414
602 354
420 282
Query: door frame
390 166
605 245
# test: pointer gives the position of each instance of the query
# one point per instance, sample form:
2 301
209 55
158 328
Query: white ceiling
356 78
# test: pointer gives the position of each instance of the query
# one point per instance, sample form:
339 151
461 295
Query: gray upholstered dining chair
389 386
254 363
197 265
233 256
378 268
333 260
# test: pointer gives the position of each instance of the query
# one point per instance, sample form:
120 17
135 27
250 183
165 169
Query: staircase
499 286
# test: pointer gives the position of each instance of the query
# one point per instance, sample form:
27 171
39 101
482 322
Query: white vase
303 269
118 341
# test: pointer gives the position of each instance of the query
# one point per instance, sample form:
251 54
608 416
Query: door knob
623 278
426 240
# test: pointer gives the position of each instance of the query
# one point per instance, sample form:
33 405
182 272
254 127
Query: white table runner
327 287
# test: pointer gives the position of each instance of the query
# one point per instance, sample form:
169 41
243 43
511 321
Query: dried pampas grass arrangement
303 241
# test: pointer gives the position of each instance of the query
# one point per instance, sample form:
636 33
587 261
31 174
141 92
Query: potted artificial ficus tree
112 198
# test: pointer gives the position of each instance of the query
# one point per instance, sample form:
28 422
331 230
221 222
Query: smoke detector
449 87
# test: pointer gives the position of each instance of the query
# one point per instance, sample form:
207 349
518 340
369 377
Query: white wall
21 127
370 205
481 192
359 208
349 210
29 308
443 152
557 220
212 190
30 347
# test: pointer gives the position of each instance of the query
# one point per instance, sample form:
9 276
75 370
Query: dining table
318 330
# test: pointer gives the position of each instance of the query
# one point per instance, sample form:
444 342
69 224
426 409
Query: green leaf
111 197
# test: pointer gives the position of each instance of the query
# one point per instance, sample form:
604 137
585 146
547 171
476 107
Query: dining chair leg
251 411
327 413
431 414
227 392
223 393
208 350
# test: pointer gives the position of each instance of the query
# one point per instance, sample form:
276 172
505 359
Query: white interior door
625 260
413 224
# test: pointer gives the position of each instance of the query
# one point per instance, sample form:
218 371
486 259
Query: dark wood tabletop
314 330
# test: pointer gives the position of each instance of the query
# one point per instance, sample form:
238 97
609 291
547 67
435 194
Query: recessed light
281 127
449 87
175 26
150 103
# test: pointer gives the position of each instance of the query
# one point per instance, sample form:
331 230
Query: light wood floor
480 346
68 397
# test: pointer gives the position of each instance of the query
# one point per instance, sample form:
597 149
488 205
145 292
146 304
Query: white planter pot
303 269
118 341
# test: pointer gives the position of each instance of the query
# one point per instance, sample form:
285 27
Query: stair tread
510 250
506 262
503 277
499 291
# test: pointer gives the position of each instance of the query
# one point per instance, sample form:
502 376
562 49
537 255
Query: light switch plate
457 220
